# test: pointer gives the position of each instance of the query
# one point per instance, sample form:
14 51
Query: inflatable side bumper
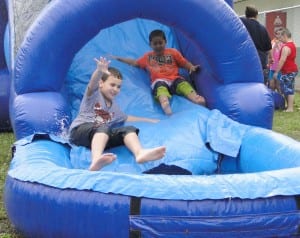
94 214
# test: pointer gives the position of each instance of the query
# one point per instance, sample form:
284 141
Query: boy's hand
194 68
102 65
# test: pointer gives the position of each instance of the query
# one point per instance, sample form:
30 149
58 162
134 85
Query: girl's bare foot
165 104
146 155
105 159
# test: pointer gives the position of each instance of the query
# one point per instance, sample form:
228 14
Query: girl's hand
102 65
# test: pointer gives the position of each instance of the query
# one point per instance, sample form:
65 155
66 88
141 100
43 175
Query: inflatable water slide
225 172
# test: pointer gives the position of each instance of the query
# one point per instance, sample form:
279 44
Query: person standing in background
288 68
260 37
274 84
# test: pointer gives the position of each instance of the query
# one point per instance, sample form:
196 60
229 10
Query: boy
99 124
163 65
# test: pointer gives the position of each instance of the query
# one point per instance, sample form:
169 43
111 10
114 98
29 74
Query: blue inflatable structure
225 173
4 73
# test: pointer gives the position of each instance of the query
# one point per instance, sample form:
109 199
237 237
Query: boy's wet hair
157 33
114 72
251 11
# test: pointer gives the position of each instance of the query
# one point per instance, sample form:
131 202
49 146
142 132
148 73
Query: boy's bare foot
105 159
196 98
165 104
289 110
146 155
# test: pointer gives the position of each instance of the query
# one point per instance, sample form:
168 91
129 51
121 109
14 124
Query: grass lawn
6 140
285 123
288 122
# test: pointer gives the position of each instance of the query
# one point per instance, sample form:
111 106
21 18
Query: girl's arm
284 54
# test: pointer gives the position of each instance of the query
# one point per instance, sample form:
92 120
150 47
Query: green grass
288 123
285 123
6 141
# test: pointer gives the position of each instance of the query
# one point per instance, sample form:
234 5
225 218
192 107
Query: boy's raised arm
102 68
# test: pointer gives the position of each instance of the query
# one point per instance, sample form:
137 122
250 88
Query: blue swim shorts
287 83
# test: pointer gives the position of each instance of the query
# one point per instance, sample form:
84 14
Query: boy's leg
184 88
162 94
99 160
165 104
96 139
142 155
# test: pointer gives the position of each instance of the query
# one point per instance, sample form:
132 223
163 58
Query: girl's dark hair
114 72
156 33
251 11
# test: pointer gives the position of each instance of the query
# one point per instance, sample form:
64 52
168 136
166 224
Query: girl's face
158 44
277 34
282 37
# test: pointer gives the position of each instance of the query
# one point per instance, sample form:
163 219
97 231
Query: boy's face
110 87
158 44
